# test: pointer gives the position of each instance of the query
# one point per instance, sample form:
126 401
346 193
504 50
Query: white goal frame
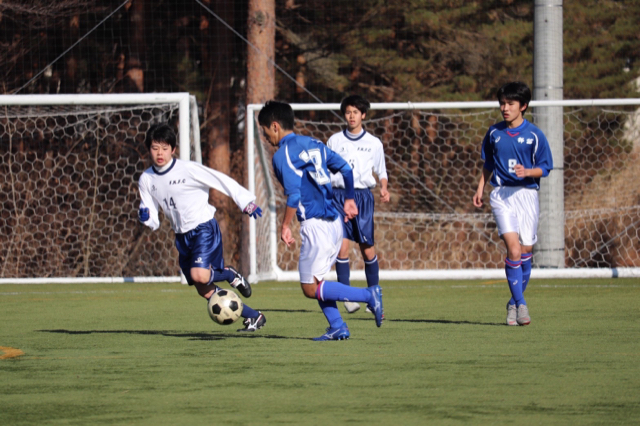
188 135
257 158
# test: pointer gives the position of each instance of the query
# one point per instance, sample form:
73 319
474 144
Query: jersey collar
173 163
346 135
284 139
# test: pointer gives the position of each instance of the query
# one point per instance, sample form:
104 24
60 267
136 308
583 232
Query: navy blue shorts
359 229
200 248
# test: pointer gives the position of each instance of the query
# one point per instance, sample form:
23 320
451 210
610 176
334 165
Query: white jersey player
365 154
181 190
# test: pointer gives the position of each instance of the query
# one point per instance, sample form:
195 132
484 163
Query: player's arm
228 186
380 169
291 180
285 233
484 178
148 209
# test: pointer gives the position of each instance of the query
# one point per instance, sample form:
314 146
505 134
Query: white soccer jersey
364 154
182 191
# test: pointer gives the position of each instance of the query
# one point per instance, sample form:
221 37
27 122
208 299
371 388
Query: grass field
149 354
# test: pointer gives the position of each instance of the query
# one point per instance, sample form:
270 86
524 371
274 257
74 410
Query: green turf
149 354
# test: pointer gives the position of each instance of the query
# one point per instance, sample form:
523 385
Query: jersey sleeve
542 157
487 152
221 182
337 164
289 177
379 164
147 201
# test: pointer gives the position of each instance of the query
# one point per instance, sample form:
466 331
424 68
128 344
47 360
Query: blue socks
331 312
513 270
333 291
526 273
247 312
224 275
342 270
372 271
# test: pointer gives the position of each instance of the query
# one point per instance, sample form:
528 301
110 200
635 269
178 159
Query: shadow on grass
167 333
430 321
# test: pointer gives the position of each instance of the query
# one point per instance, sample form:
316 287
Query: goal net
431 229
68 186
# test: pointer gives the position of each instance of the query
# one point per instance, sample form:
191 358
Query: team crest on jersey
362 148
177 182
529 141
154 189
520 140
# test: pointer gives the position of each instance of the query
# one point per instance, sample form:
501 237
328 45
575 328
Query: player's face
512 111
161 153
354 119
270 134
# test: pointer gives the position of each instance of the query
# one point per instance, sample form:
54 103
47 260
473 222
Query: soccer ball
224 307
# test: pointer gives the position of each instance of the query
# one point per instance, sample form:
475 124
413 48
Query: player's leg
508 229
207 249
528 212
371 267
320 243
253 320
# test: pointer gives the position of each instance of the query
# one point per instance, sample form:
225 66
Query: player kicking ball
301 165
365 155
516 155
181 190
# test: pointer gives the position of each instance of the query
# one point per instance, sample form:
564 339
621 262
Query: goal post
68 185
430 229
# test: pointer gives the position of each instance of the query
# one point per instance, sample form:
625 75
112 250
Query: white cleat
512 314
523 315
351 307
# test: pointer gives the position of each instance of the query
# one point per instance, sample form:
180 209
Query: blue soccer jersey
302 166
504 148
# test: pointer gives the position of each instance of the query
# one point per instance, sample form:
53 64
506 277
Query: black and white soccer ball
225 307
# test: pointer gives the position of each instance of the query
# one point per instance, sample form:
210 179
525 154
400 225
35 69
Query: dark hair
515 91
279 112
356 101
160 133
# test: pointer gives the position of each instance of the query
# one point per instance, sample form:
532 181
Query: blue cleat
376 304
338 333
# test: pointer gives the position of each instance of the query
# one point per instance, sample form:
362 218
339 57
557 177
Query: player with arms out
365 155
181 190
516 155
301 165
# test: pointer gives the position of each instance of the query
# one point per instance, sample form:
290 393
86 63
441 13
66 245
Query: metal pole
548 86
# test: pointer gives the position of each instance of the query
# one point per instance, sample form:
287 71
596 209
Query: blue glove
253 210
143 214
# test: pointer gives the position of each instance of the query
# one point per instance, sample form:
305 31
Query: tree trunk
261 79
136 57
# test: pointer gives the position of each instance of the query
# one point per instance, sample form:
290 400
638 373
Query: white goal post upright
70 192
269 259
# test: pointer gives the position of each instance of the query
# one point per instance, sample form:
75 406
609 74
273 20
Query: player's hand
350 210
253 210
143 214
477 198
520 171
385 197
286 237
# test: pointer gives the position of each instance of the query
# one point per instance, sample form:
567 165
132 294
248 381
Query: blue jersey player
516 155
302 165
181 190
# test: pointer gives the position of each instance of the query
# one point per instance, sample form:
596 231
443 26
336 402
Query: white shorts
320 244
516 209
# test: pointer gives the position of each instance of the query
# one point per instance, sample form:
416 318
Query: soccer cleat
376 305
338 333
253 324
523 315
351 307
512 314
239 282
369 311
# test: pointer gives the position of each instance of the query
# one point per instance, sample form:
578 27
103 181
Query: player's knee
309 290
200 275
